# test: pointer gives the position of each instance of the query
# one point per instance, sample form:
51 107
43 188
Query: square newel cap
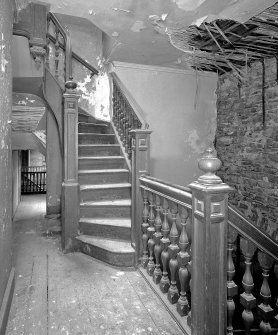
140 131
209 164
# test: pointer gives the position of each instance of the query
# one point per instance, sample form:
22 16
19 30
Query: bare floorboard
74 294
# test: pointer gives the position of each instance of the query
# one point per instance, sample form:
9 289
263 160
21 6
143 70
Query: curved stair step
114 252
89 138
119 228
105 192
101 162
99 150
113 208
103 176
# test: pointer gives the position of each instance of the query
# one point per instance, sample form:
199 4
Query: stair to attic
105 194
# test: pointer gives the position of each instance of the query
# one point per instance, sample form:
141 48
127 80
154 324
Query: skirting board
7 300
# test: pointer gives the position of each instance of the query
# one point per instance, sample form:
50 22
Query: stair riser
91 164
83 118
103 178
99 151
105 211
106 194
113 232
96 139
92 128
103 255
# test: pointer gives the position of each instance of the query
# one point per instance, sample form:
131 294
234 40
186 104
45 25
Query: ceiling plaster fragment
189 5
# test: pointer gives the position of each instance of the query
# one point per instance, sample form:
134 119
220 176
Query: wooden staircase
105 194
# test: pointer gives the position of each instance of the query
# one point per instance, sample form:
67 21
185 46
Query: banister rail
249 231
75 56
67 43
179 194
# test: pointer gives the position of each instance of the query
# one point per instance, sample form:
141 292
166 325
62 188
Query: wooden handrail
249 231
137 109
68 49
75 56
179 194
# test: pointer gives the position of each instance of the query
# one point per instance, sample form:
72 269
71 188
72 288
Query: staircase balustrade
127 114
200 255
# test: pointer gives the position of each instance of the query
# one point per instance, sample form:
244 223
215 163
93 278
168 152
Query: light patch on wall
193 140
188 5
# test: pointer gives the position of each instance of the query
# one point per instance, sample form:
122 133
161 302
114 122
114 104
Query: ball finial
209 164
70 84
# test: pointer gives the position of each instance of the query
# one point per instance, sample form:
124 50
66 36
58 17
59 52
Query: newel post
139 167
70 185
209 249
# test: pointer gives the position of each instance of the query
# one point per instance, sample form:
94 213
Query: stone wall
247 142
6 272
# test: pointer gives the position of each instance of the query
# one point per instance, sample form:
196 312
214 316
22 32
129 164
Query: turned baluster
165 242
276 274
173 293
183 258
157 274
151 230
265 310
246 298
47 57
145 226
232 288
57 54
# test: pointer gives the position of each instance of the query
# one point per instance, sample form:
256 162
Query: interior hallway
73 294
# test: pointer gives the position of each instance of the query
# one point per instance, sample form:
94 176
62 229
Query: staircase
105 194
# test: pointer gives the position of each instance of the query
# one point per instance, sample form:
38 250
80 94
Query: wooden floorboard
74 294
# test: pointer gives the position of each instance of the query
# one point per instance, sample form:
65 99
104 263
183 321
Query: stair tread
100 157
104 186
99 145
92 123
117 202
98 134
102 171
121 222
111 245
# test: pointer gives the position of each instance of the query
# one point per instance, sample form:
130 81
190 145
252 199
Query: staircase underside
105 201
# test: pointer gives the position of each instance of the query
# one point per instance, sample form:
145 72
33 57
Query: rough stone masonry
247 141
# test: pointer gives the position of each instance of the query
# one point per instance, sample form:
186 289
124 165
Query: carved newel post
209 249
140 165
70 186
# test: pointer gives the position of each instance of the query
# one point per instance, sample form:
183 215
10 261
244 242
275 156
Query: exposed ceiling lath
225 45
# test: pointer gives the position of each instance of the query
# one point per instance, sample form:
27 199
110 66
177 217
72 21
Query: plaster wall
5 152
23 62
36 158
180 107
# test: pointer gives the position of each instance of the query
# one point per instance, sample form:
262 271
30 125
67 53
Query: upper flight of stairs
105 194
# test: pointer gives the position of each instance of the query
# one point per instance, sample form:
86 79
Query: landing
73 294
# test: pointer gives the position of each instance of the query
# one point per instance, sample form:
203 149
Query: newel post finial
209 248
209 164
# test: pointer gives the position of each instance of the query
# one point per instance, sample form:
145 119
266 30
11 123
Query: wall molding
6 303
155 68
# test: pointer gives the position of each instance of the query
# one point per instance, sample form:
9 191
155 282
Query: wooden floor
73 294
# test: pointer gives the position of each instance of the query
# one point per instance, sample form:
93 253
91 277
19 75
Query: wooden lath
227 44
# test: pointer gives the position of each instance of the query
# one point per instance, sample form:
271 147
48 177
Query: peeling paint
3 61
122 10
138 26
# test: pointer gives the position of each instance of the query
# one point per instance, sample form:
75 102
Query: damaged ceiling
141 31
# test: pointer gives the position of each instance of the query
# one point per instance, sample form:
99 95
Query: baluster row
257 315
124 118
166 248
